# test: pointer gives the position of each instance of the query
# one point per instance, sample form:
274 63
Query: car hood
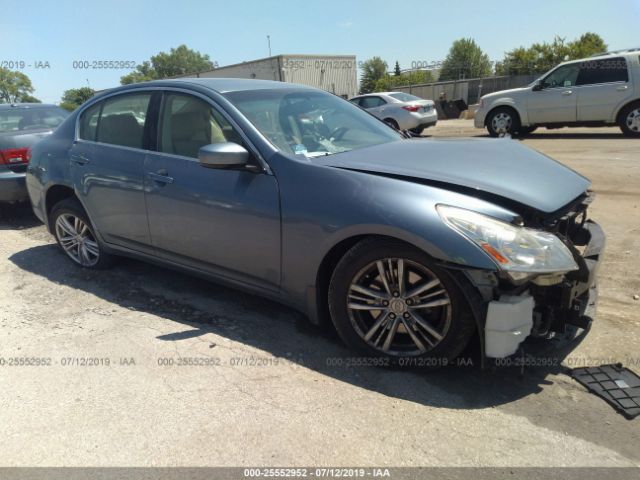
500 167
506 93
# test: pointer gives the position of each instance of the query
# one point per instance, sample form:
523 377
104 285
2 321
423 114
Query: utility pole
269 43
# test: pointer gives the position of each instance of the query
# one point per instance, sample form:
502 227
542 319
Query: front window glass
564 76
38 118
189 123
311 123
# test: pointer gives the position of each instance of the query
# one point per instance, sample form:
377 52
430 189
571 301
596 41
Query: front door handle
161 176
622 88
567 92
79 159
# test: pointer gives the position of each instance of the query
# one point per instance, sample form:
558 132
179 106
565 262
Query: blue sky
59 32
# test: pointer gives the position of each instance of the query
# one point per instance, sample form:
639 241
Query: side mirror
537 87
221 155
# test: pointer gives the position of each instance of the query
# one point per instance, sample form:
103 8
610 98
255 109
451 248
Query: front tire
527 130
629 120
75 235
389 299
503 121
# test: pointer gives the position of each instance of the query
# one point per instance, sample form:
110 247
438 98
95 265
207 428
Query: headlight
513 248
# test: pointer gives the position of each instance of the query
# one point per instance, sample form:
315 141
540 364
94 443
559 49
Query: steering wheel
338 133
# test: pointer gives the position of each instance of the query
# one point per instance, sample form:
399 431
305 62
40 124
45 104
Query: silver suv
597 91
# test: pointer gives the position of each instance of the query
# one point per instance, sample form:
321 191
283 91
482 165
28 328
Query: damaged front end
525 300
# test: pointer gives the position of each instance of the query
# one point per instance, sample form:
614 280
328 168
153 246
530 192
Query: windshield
311 123
17 119
404 97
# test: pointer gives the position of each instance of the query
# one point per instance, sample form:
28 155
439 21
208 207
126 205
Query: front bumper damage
547 305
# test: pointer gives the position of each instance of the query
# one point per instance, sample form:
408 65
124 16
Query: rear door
374 104
223 221
603 85
107 167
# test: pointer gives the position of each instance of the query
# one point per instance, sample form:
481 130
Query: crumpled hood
500 167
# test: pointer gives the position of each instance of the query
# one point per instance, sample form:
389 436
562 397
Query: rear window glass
19 119
603 71
404 97
122 120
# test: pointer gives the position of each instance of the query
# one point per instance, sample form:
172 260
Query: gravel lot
260 386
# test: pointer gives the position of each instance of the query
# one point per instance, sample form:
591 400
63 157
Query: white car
400 110
593 92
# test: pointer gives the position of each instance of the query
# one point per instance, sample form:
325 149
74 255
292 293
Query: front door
556 101
224 221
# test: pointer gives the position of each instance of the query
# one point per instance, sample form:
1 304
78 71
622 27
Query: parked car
22 125
593 92
400 110
410 247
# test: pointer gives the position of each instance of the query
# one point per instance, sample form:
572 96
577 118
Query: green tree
178 61
416 77
541 57
465 60
30 99
74 97
588 44
396 71
15 87
372 70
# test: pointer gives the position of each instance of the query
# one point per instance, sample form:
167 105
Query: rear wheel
389 299
75 235
629 120
503 121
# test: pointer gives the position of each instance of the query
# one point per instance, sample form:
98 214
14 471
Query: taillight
14 156
412 108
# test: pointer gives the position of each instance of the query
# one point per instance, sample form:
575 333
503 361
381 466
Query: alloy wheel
77 240
501 123
633 120
399 307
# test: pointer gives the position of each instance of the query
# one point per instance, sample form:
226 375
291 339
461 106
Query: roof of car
220 85
7 106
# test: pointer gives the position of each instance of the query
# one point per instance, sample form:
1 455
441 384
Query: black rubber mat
616 384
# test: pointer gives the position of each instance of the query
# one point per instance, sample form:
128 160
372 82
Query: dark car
409 246
22 125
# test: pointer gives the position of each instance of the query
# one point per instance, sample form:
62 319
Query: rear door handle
623 88
567 92
161 177
79 159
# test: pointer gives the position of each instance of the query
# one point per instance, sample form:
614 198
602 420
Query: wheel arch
55 194
504 104
617 117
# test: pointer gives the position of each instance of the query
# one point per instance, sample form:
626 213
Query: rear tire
404 329
76 236
503 121
629 120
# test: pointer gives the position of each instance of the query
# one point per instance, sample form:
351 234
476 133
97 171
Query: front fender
508 102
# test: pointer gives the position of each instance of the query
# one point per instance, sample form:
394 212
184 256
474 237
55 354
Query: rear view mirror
537 87
225 154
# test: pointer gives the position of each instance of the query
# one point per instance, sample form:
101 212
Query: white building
334 73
